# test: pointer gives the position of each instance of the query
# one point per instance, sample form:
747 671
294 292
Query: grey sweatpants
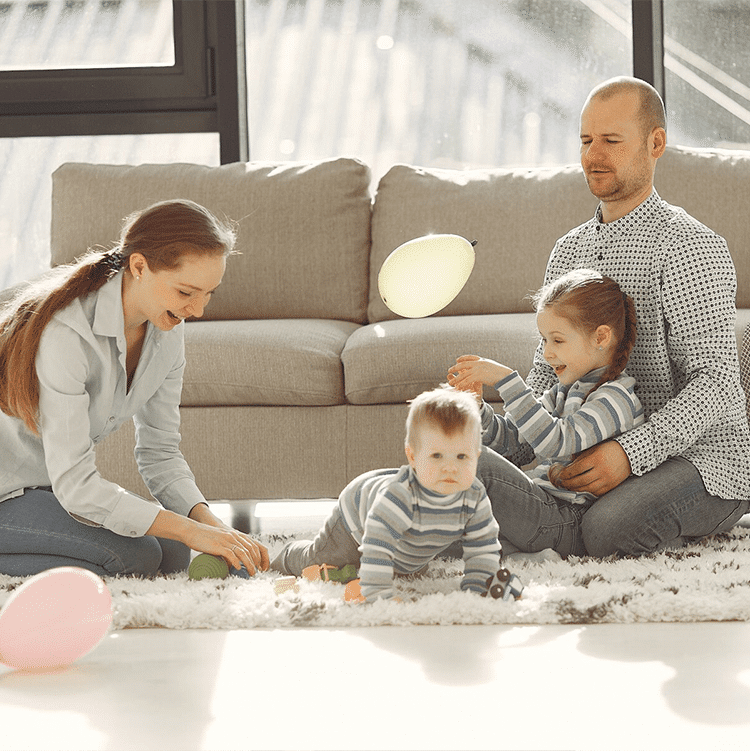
333 545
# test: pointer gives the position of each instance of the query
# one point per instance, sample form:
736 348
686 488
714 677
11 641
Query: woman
90 346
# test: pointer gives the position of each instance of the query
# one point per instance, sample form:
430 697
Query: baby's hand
470 370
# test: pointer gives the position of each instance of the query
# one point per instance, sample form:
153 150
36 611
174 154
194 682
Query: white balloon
422 276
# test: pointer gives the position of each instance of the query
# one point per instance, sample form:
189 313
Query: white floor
658 686
654 686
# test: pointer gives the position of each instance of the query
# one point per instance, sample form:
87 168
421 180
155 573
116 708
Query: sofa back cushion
515 215
712 185
304 228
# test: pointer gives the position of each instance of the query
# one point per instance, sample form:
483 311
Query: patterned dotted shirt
682 280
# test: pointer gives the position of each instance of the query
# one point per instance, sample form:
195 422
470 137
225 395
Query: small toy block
285 584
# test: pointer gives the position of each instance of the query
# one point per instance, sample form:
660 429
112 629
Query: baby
395 521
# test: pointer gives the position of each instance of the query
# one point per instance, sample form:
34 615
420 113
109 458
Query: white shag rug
705 581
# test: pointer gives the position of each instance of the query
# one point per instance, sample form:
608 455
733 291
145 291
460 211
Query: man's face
615 154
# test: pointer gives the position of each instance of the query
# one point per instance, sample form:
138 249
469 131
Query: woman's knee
138 556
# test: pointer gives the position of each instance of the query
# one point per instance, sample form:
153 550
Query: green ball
205 566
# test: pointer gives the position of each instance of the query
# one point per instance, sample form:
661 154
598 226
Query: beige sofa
298 374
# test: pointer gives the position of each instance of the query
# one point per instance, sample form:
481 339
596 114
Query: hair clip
114 261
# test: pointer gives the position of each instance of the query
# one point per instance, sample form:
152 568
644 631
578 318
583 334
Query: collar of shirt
109 317
430 497
632 221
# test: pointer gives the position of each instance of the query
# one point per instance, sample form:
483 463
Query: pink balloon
54 618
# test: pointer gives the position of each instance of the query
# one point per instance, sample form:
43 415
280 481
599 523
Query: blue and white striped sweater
562 423
401 526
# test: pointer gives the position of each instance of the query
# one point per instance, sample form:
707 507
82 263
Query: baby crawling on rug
395 521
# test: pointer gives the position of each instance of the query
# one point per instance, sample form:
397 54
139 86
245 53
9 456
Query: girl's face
568 350
169 296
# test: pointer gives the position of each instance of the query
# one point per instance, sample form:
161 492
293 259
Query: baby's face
444 464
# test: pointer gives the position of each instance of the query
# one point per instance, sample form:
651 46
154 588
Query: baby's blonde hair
445 407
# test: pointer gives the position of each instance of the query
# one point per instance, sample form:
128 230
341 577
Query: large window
109 81
707 64
434 82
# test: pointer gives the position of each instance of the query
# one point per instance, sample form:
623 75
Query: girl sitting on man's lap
588 329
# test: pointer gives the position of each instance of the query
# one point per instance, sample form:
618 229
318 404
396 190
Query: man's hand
596 470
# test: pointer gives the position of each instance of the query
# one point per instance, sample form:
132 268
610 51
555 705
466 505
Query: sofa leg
243 518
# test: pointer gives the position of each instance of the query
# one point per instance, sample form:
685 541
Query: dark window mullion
648 42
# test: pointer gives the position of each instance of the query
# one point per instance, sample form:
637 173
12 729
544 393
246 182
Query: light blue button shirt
83 398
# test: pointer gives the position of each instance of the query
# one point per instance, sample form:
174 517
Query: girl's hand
471 369
475 387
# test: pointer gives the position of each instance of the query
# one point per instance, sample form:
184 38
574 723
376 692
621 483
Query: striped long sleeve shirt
560 424
401 526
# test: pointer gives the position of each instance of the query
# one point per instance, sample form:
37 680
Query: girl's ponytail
24 318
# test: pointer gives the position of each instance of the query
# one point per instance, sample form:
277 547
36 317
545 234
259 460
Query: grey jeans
663 507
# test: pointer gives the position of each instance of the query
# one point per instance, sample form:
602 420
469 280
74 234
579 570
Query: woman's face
168 297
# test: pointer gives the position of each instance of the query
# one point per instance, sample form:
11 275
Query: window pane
46 34
451 83
707 50
26 167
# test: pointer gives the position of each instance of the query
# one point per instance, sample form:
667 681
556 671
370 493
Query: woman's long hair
162 233
588 300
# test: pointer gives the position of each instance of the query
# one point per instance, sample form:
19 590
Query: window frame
202 92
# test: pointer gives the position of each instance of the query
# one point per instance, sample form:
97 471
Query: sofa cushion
304 228
711 184
289 362
393 361
515 215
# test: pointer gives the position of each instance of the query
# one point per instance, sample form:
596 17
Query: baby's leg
332 545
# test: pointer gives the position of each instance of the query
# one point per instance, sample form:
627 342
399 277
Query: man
685 473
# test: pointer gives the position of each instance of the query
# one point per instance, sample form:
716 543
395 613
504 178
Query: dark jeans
37 534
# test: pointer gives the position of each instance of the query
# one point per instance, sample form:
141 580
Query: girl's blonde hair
588 300
162 233
447 408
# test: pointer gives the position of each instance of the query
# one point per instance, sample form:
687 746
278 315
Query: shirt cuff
132 516
638 447
511 387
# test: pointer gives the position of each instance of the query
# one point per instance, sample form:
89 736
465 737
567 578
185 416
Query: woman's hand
243 550
236 548
206 533
471 370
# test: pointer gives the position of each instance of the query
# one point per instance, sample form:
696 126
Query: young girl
588 327
83 350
